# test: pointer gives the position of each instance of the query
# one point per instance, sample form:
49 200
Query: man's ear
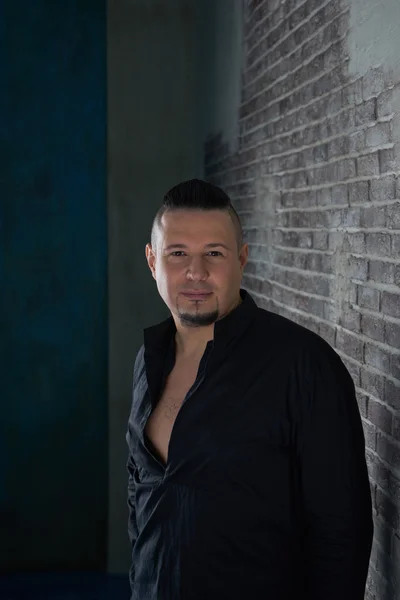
151 259
244 256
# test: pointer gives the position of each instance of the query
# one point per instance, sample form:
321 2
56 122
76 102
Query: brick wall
316 184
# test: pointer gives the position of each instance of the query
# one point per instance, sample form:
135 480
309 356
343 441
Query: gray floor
75 586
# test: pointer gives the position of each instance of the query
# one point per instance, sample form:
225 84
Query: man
247 472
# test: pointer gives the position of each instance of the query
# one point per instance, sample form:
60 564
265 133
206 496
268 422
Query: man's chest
228 438
161 421
232 416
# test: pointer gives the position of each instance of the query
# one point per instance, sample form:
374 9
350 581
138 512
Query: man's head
197 246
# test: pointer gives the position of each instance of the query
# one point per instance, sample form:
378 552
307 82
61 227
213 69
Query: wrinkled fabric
265 493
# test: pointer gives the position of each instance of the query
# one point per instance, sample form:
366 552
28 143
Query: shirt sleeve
132 525
334 484
131 469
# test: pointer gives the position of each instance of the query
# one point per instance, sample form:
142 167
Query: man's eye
177 253
215 253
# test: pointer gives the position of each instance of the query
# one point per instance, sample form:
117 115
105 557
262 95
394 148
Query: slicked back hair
196 194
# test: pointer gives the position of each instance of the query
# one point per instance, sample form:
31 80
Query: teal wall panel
53 278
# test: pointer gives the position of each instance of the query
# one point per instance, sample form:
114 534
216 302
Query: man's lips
196 294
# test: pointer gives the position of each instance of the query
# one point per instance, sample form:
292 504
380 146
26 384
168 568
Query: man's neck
192 341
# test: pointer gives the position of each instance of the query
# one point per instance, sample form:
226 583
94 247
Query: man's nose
197 269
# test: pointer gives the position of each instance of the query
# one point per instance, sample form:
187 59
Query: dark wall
152 145
53 282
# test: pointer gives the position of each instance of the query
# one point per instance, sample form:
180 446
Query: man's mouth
197 295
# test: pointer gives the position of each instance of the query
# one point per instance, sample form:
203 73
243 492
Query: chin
198 320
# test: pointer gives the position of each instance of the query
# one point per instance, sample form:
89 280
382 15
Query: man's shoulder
280 329
288 338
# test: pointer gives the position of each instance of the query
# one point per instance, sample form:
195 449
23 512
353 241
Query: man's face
197 265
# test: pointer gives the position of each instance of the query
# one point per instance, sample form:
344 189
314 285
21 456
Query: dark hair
196 194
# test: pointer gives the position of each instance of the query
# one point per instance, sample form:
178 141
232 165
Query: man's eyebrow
213 245
218 244
174 246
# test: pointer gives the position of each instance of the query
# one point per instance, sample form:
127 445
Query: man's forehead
174 218
198 223
197 228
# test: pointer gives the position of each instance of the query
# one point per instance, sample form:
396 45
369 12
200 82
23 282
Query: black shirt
265 494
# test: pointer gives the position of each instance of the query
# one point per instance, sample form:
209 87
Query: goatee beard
198 320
